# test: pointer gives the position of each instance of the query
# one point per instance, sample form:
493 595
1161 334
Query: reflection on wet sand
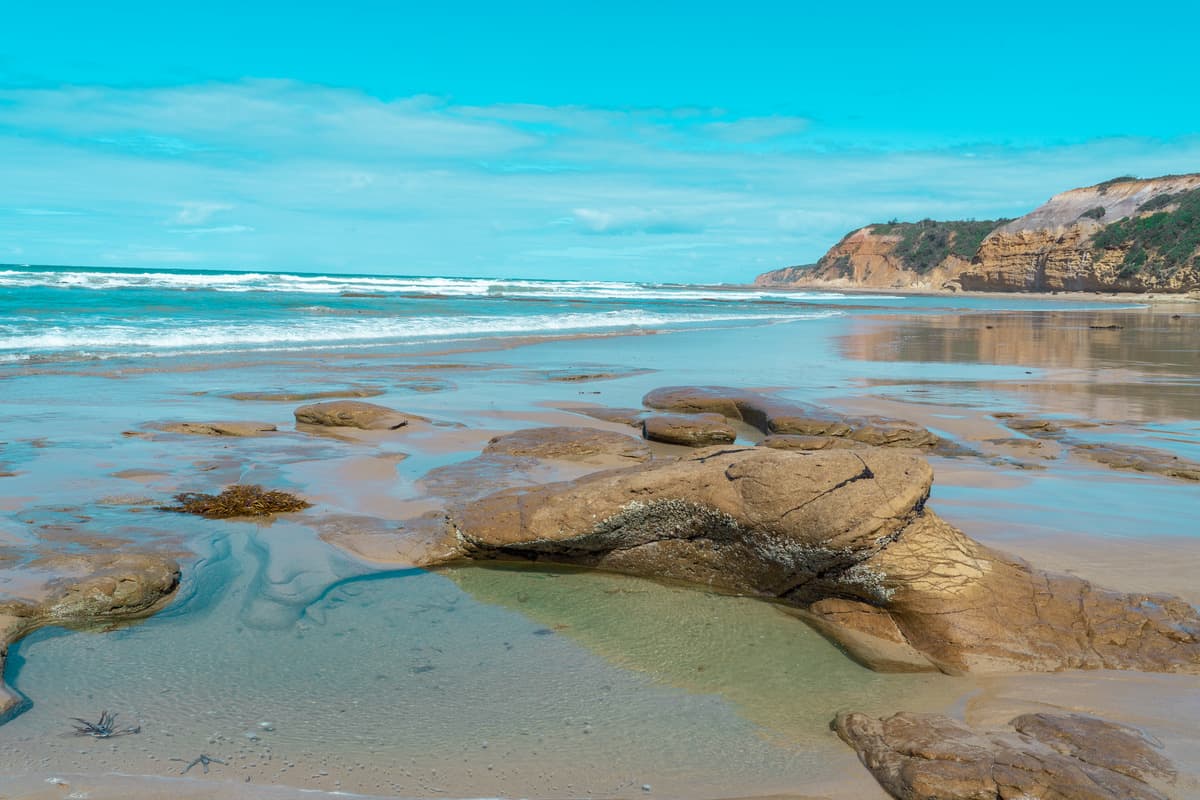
1136 364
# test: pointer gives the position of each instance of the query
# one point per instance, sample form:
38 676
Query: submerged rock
1139 459
284 395
689 430
219 428
851 526
563 443
1045 757
1115 456
354 414
102 589
774 416
625 416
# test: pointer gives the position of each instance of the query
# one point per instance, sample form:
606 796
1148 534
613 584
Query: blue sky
650 141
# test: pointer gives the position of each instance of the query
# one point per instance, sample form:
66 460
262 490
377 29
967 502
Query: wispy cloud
277 174
634 220
45 212
197 213
214 229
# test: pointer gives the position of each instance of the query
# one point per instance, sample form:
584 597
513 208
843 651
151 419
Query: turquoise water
72 313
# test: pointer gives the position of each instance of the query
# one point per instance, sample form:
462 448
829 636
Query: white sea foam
453 287
168 335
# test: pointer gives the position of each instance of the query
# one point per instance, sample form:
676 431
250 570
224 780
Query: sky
653 141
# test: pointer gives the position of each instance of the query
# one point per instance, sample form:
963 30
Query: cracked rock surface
689 430
772 415
1043 757
354 414
97 589
844 536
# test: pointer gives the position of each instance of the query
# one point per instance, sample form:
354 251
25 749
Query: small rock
694 430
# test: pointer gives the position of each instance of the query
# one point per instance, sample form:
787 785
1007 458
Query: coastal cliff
1126 234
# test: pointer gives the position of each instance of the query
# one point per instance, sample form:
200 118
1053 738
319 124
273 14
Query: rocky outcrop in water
353 414
1131 458
842 535
283 396
774 416
1126 235
689 430
565 443
95 590
237 429
1043 757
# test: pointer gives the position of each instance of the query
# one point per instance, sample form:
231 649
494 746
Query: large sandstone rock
353 414
97 589
807 528
1045 757
774 416
689 430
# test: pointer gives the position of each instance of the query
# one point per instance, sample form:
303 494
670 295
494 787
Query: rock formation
843 535
583 445
1132 458
353 414
283 396
1045 757
1121 235
101 589
532 456
218 428
689 430
774 416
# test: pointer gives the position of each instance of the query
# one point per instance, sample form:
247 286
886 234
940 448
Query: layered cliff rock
1125 234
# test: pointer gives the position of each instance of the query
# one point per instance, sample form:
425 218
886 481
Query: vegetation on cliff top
925 244
1103 187
1160 242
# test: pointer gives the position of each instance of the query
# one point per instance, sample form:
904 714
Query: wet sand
287 591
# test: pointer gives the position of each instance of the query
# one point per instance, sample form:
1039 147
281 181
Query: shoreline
1149 298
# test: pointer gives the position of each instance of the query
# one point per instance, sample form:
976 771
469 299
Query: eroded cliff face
1054 248
867 258
1108 237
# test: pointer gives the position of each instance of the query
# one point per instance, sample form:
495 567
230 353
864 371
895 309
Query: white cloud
757 129
197 213
334 179
634 220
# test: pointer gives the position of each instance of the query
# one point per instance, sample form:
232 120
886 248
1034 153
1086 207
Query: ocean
73 313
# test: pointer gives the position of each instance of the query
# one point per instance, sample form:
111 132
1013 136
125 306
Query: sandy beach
306 653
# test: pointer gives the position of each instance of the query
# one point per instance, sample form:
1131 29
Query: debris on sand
239 500
105 728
